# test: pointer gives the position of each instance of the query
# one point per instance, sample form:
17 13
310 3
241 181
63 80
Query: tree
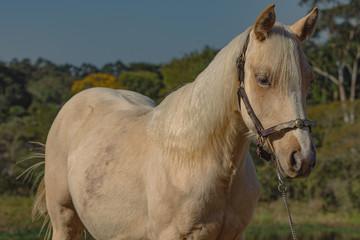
86 69
137 67
180 71
49 82
339 157
24 66
13 93
95 80
144 82
114 69
339 26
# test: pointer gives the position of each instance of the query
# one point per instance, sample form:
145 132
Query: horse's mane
191 117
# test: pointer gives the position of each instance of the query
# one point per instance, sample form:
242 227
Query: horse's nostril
300 164
295 163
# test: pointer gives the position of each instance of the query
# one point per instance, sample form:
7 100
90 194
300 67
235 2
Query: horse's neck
202 116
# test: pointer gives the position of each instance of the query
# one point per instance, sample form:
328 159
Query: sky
152 31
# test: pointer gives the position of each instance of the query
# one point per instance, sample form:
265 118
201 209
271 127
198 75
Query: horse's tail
39 209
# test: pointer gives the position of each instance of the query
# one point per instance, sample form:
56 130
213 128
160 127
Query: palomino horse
124 168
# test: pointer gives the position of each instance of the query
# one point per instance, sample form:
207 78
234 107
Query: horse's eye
262 79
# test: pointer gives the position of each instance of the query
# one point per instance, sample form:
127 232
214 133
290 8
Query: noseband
263 134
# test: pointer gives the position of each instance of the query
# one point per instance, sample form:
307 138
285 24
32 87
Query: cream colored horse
124 168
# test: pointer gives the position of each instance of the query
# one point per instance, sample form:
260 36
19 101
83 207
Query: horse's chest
193 204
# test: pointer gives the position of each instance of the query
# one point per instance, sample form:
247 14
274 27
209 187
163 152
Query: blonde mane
198 113
282 53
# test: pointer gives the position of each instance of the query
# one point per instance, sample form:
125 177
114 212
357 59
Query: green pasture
269 222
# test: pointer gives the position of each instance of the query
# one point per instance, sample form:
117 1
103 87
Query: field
269 222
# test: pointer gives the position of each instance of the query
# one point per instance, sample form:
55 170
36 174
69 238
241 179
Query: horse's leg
66 223
64 219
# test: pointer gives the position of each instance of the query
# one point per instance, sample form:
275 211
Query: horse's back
114 98
90 150
102 100
94 103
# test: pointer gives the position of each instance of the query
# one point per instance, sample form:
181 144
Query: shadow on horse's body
125 168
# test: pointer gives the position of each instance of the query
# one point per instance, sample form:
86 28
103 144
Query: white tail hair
39 208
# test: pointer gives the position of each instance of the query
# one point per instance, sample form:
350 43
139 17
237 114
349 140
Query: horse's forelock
282 52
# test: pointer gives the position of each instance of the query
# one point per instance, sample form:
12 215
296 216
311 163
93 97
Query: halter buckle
261 152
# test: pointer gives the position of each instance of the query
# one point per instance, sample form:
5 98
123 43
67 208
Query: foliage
144 82
114 69
138 67
335 53
95 80
180 71
13 94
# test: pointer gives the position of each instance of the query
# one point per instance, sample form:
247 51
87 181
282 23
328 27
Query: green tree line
31 94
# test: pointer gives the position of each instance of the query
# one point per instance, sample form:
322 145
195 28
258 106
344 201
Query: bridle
263 134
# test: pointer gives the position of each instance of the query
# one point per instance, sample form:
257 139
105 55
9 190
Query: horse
123 167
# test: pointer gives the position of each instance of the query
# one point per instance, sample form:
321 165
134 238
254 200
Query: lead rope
282 188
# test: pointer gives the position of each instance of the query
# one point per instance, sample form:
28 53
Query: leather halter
262 133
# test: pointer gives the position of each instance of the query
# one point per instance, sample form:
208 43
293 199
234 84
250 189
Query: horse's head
277 81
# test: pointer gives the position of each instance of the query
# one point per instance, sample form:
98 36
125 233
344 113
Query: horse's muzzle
302 164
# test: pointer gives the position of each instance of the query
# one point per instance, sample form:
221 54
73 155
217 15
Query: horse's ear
305 26
265 22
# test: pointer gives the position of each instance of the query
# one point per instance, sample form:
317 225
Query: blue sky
153 31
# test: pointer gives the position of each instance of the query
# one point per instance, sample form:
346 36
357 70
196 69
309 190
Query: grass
15 219
25 234
15 214
303 214
270 219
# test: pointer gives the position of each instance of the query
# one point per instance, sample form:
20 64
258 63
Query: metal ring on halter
282 188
